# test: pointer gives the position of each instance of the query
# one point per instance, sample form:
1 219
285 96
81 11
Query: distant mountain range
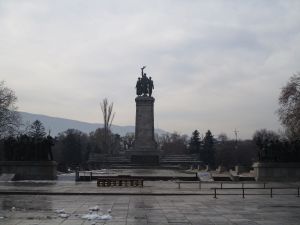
57 125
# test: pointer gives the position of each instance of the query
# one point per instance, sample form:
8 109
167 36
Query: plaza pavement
66 202
151 210
159 202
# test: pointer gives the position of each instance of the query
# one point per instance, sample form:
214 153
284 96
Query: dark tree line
273 147
31 146
173 143
230 153
210 150
74 147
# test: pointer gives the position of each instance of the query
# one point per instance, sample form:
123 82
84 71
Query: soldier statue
150 86
138 87
144 85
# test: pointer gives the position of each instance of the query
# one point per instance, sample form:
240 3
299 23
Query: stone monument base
143 158
30 170
273 171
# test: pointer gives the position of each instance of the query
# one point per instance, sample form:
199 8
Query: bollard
178 185
215 196
77 175
264 185
91 175
221 185
271 192
243 192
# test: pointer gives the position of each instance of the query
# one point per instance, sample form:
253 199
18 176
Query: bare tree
222 137
263 136
289 111
108 117
173 143
9 117
127 141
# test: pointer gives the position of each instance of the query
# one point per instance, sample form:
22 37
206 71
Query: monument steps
140 166
166 161
108 159
180 158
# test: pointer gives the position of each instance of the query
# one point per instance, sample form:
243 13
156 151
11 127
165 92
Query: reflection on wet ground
26 203
151 210
28 183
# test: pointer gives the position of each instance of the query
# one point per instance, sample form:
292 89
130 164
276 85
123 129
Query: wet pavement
150 187
67 202
155 210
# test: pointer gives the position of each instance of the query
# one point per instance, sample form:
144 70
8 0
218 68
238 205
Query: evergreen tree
37 130
195 142
208 151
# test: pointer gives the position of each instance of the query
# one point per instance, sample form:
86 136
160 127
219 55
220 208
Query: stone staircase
108 159
180 159
117 159
165 160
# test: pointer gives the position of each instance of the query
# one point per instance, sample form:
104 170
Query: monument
145 149
277 160
29 158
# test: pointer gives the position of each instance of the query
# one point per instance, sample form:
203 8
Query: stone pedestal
30 170
273 171
145 148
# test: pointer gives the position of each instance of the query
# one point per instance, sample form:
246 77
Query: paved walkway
151 210
66 202
150 187
159 202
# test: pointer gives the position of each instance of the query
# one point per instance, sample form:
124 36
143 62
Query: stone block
275 171
30 170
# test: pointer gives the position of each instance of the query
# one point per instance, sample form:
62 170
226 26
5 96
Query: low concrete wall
272 171
30 170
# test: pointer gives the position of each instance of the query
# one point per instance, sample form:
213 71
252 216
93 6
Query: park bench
120 182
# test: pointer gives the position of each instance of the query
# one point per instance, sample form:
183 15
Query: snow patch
60 211
63 215
95 216
94 208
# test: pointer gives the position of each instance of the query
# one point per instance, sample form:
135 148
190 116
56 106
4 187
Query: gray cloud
216 65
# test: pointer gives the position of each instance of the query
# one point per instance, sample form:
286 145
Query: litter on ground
95 208
95 216
60 211
63 215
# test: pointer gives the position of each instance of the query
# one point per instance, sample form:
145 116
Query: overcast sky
216 65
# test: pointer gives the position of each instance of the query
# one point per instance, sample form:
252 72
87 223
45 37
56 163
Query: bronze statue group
144 85
25 148
278 151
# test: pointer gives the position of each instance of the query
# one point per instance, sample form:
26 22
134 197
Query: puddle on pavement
26 203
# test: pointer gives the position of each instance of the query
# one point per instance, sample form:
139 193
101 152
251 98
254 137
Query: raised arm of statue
143 70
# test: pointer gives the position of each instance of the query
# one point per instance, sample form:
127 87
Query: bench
120 182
